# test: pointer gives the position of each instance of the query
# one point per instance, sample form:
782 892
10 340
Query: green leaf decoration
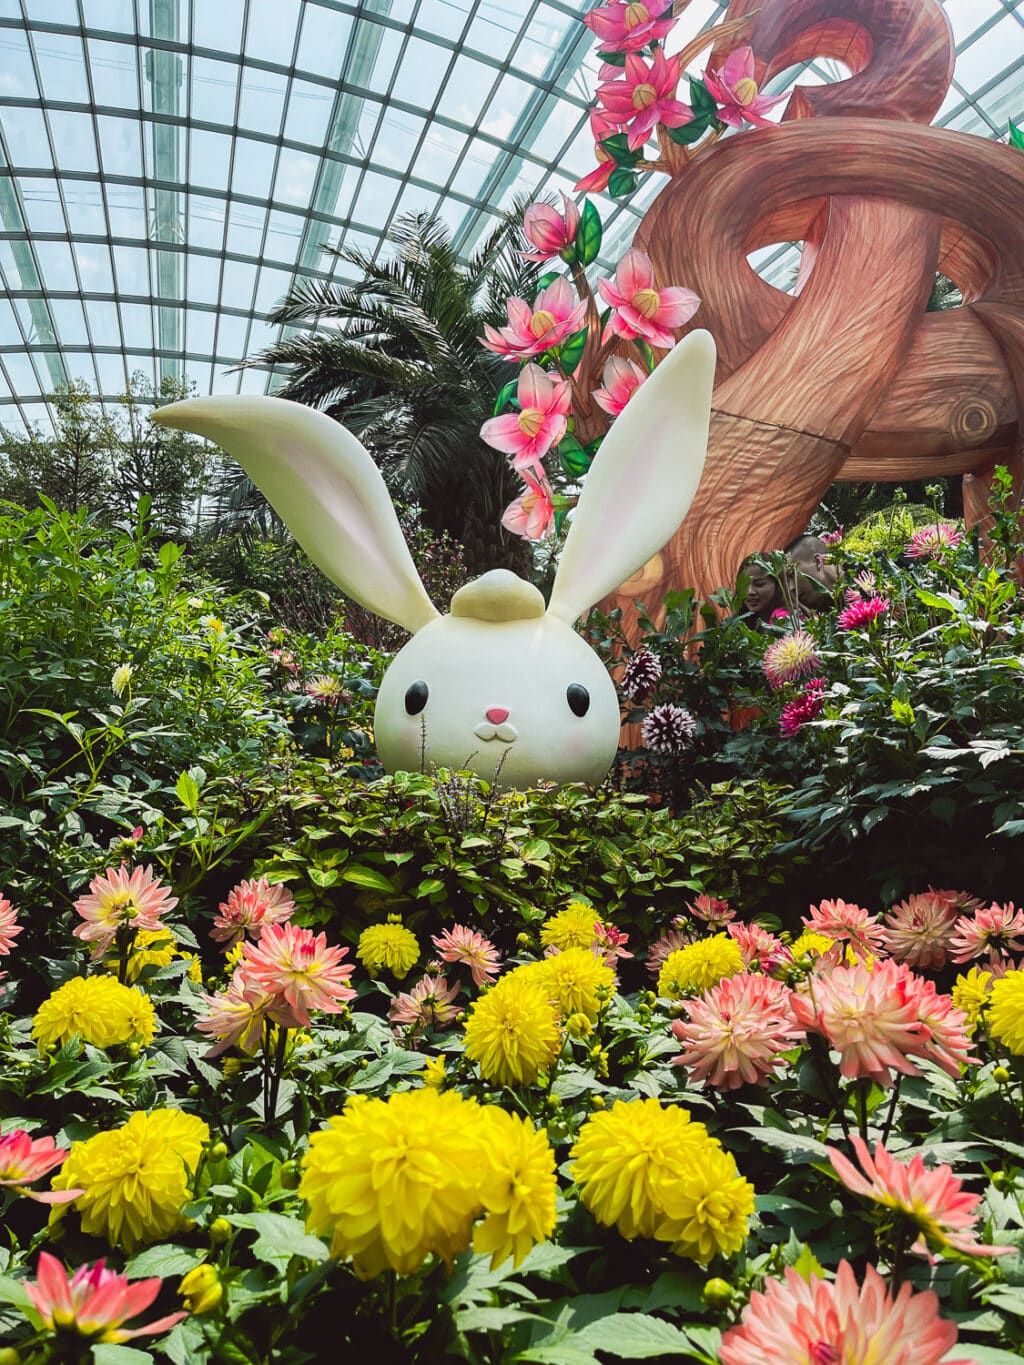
644 348
618 148
570 351
621 183
690 132
547 278
613 58
505 393
572 457
701 99
1016 136
588 234
559 522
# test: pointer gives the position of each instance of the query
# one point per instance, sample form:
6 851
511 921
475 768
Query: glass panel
507 103
416 199
61 67
104 322
245 229
222 381
94 267
74 141
377 193
494 29
219 25
309 112
447 19
19 77
231 335
262 100
273 286
41 202
18 365
284 232
25 135
54 12
120 147
388 42
325 35
397 139
209 158
988 55
213 90
70 322
115 77
203 278
270 31
132 270
467 90
116 16
205 222
140 365
967 16
56 266
85 209
127 211
422 71
437 155
10 334
111 373
137 320
199 330
296 176
254 167
239 283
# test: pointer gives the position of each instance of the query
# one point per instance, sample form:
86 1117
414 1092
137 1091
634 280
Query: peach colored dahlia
842 922
119 898
919 929
298 967
735 1034
249 908
470 949
869 1017
998 929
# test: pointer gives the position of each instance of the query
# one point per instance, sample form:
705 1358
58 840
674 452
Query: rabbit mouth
507 733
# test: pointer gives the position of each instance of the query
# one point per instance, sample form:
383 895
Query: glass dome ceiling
169 167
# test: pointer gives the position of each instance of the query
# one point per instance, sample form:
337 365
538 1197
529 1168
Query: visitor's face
760 594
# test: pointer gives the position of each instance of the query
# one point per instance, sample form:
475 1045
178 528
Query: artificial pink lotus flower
601 126
94 1302
470 949
430 1004
933 1199
842 922
238 1015
533 329
999 929
249 908
919 930
735 1034
932 540
532 514
862 613
120 899
815 1322
756 944
9 926
551 232
735 89
24 1159
715 913
644 96
621 379
297 966
627 27
529 434
641 310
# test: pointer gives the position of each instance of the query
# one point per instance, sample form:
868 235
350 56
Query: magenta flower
627 27
641 310
644 96
812 1320
640 675
533 329
298 967
735 1034
735 89
529 434
430 1004
919 930
932 540
249 908
999 929
601 126
94 1302
832 537
861 614
933 1199
621 379
715 913
120 899
470 949
808 706
551 232
840 921
791 658
532 514
24 1159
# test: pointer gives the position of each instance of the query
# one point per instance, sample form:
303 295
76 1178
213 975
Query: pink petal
611 295
535 388
674 114
677 306
504 434
637 70
51 1291
617 98
633 273
738 66
715 89
519 315
596 180
161 1325
51 1196
642 128
732 115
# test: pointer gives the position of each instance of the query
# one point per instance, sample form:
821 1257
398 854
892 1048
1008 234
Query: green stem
270 1109
861 1093
891 1113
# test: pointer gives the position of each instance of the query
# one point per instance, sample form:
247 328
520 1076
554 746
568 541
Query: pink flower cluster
862 613
807 706
9 928
250 907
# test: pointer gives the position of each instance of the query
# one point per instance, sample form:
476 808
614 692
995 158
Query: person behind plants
802 579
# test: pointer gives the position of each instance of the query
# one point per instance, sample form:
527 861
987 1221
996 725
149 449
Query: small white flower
214 625
121 678
196 603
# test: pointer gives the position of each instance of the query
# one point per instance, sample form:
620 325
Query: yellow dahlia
707 1206
152 948
574 927
574 978
518 1188
388 946
971 994
136 1178
512 1031
1006 1012
394 1181
99 1010
699 966
811 944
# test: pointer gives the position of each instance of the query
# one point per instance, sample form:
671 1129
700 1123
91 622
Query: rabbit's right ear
325 488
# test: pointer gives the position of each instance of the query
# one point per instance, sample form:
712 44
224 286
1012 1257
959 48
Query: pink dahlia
815 1322
662 948
757 945
793 657
529 434
997 930
9 926
120 899
299 968
639 309
920 929
932 540
832 537
736 91
533 329
715 913
238 1015
644 96
609 943
94 1303
328 690
532 514
862 613
627 27
934 1200
24 1159
945 1030
249 908
551 232
430 1004
842 922
735 1034
470 949
808 706
621 379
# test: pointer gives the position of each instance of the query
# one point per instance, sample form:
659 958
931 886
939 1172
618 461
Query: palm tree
402 365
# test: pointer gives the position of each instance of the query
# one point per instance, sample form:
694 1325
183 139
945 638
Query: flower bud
217 1151
219 1231
717 1293
289 1175
1000 1075
578 1026
201 1290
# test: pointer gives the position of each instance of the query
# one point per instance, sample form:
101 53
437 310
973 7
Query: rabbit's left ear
642 481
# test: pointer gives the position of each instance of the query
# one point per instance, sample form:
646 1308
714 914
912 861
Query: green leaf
164 1261
13 1291
985 1355
1016 136
902 712
572 457
505 393
808 1265
799 1148
701 99
621 182
187 791
547 278
430 886
119 1355
588 234
280 1238
570 352
690 132
367 877
323 877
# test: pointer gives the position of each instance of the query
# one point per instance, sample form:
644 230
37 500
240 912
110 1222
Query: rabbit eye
578 698
416 698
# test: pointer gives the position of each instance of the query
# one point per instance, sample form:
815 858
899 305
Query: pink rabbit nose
496 714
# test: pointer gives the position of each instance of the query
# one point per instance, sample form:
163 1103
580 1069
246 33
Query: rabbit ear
326 489
642 481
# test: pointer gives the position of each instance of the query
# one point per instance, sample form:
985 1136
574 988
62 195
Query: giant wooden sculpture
848 377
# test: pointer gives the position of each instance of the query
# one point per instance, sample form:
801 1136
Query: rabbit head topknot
498 596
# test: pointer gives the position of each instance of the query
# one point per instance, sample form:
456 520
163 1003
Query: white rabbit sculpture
499 681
